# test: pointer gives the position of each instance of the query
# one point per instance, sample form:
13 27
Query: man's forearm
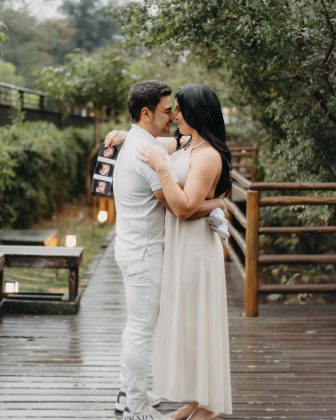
206 207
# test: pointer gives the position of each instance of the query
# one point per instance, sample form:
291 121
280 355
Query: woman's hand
115 137
154 156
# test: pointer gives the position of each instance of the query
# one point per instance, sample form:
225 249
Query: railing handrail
251 192
37 102
23 89
299 186
244 182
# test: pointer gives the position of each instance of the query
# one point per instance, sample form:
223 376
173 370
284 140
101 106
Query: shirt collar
139 130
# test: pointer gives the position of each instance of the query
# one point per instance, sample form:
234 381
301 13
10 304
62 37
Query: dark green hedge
40 168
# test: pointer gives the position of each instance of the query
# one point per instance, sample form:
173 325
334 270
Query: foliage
280 56
27 47
41 167
3 36
155 64
279 59
96 81
8 74
34 44
283 274
92 27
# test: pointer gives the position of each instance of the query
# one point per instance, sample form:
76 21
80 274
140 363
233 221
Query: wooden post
226 252
111 211
252 252
73 283
254 163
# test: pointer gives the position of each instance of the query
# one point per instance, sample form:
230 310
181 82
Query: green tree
92 26
155 64
279 63
3 36
8 74
98 82
281 60
27 47
59 36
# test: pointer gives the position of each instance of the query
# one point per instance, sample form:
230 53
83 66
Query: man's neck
146 127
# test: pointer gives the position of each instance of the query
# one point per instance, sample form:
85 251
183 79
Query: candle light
102 216
70 241
11 287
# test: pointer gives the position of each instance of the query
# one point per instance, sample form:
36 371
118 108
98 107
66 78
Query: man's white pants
142 283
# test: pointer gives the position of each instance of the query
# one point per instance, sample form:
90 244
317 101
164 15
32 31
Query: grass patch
75 219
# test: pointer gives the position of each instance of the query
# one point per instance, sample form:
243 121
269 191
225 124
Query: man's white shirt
140 216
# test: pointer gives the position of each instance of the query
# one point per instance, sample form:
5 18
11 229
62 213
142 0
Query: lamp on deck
102 216
70 241
11 287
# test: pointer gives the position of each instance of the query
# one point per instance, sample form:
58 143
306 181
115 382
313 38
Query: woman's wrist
162 169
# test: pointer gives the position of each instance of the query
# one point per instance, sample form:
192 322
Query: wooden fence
244 158
247 244
36 106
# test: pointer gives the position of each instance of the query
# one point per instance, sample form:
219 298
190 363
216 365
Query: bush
41 168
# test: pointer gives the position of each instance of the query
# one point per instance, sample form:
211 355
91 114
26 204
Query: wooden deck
67 367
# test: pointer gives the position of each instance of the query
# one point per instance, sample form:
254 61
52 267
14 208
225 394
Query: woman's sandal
203 414
184 412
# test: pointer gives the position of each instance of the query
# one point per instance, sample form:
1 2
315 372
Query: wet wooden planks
67 367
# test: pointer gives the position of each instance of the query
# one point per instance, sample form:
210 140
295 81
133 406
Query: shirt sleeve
151 176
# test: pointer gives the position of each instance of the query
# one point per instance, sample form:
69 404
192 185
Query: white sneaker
219 224
120 405
216 217
149 413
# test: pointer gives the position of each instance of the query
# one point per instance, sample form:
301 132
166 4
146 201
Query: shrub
41 167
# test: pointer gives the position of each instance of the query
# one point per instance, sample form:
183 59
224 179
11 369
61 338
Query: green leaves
281 58
41 167
3 36
97 81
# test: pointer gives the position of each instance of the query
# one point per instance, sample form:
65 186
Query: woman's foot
185 411
204 414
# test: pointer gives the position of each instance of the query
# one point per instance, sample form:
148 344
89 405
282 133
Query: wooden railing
36 105
244 248
244 158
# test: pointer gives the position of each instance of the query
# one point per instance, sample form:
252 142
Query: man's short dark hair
146 94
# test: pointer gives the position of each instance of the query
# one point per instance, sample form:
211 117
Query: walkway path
67 367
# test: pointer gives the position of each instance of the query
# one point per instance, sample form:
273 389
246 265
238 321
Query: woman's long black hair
202 111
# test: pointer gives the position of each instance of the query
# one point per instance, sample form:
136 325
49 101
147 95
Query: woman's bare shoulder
207 152
208 158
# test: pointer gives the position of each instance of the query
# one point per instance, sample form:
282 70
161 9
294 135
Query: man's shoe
149 413
120 405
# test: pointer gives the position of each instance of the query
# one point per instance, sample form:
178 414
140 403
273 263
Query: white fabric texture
219 224
191 345
142 282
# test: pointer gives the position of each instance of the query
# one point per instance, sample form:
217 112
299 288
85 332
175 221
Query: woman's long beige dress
191 345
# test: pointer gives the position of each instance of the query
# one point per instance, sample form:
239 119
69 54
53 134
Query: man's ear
145 114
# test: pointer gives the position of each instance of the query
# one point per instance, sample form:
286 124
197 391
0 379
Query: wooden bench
37 237
41 257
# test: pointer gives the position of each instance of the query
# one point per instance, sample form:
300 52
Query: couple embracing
171 261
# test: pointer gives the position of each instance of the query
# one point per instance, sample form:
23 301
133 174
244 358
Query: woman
191 346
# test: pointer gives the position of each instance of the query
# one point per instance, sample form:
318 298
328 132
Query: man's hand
209 205
115 137
222 205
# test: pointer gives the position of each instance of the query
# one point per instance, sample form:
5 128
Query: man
139 242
